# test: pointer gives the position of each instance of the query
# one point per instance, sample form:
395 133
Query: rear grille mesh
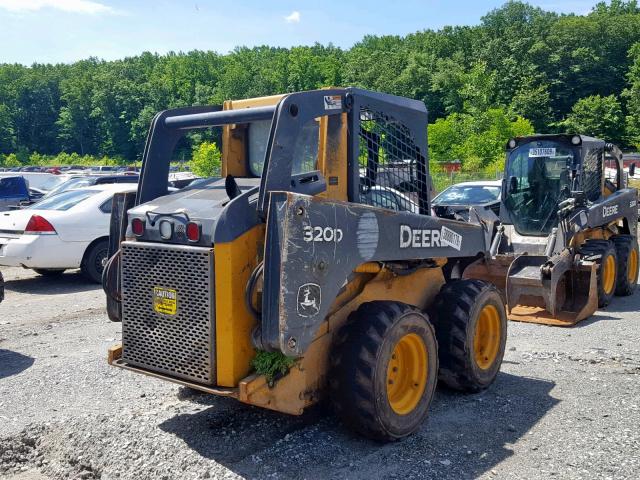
180 345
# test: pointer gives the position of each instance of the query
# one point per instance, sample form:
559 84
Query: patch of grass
272 364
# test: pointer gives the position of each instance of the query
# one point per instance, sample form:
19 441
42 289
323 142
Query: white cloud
293 18
72 6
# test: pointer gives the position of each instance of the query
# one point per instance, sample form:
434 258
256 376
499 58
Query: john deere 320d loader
567 238
315 246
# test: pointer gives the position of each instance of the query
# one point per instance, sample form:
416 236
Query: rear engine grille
180 344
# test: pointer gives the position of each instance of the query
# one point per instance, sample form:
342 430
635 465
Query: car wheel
49 272
94 260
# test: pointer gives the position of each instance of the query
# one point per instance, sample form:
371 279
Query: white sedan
68 230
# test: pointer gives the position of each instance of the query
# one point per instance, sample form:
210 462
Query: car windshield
71 183
64 201
468 195
48 184
538 179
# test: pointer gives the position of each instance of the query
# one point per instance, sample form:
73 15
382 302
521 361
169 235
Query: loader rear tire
471 327
384 370
628 256
607 267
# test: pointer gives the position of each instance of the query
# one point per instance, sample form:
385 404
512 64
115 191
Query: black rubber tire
358 376
455 315
49 272
603 249
94 259
1 288
624 245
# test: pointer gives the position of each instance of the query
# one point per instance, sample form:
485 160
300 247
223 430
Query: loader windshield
537 180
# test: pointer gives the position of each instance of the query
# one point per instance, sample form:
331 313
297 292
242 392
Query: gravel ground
566 404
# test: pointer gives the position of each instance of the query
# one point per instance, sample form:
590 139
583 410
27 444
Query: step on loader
566 242
311 269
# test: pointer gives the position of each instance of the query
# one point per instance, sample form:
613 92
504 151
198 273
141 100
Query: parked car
15 191
68 168
181 179
454 202
38 180
32 168
102 169
90 180
68 230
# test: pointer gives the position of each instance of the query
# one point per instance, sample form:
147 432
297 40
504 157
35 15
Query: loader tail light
193 231
39 226
137 227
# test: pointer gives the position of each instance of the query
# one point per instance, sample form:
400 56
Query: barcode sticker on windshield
542 152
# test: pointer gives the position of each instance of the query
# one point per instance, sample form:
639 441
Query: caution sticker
332 102
165 300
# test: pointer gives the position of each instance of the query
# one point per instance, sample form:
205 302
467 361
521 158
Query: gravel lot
567 404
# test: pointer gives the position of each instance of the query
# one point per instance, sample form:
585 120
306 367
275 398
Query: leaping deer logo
309 298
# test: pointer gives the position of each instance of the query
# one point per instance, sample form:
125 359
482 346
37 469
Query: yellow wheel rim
632 266
486 340
608 274
407 374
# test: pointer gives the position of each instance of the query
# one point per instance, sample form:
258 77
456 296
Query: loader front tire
607 274
628 256
384 370
471 327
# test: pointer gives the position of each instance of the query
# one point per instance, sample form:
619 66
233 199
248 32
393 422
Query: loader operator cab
538 177
298 143
542 171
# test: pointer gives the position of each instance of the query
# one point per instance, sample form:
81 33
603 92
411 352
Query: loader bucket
553 291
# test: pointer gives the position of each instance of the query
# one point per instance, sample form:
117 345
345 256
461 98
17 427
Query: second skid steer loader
567 238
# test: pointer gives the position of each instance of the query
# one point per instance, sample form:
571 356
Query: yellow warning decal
165 300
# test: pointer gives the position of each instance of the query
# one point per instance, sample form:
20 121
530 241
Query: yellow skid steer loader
311 269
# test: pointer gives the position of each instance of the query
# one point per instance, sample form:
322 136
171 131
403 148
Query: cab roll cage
287 120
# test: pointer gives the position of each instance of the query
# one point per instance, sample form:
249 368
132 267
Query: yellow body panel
306 381
332 156
252 102
599 233
234 263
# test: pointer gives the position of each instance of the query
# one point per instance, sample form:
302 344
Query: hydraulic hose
248 293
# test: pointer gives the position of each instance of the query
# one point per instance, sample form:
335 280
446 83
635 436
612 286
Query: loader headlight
576 140
166 229
512 143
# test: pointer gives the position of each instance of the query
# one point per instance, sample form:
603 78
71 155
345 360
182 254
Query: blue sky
50 31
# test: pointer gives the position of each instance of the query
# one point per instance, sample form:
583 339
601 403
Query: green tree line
520 69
